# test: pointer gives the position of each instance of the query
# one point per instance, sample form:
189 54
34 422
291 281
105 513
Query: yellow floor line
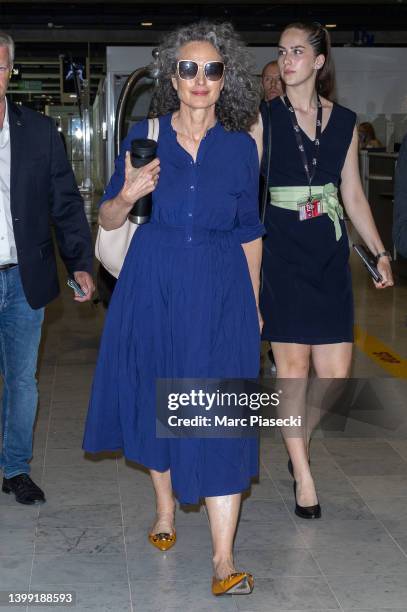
380 353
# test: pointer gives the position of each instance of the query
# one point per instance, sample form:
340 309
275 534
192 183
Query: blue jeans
20 334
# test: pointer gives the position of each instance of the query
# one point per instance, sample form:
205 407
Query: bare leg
165 503
292 361
332 360
332 363
223 515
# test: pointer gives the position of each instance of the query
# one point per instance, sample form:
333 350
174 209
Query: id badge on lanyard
310 208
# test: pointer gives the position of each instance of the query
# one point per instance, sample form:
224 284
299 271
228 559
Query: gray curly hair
238 104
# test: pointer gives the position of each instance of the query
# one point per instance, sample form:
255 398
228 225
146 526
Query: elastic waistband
182 236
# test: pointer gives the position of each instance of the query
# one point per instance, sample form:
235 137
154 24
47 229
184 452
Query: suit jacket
400 201
43 192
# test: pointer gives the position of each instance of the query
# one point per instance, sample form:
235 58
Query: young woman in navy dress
186 302
306 301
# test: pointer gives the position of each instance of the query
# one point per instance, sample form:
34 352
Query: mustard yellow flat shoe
162 541
238 583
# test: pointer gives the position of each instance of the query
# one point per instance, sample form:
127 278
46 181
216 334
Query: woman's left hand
261 322
384 268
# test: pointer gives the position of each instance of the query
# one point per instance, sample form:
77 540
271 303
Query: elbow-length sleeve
248 225
117 179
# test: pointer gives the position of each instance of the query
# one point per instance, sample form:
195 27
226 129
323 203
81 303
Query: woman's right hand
139 182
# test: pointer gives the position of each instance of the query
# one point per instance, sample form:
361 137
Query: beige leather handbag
111 246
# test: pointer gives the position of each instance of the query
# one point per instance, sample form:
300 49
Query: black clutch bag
369 261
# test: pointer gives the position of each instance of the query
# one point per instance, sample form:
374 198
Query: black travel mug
142 152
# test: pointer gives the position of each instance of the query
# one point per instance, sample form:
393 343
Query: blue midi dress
183 307
306 296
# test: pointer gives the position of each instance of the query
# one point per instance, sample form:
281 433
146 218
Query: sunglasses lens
187 69
214 71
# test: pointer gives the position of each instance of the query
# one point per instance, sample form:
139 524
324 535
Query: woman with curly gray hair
186 302
239 97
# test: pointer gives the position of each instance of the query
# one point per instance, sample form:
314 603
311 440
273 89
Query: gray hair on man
7 41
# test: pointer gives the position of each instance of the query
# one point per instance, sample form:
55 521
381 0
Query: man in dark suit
37 188
271 81
400 201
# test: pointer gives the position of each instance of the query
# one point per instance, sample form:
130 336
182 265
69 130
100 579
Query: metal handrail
150 71
122 104
379 177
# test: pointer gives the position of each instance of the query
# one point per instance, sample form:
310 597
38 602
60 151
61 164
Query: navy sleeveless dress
183 307
307 291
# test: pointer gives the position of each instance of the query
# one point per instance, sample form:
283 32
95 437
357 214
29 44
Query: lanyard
300 141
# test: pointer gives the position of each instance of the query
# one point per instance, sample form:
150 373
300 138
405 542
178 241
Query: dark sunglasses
188 69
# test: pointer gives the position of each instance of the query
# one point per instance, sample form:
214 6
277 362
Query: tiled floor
90 536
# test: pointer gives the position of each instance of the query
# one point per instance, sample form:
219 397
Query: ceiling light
146 24
330 25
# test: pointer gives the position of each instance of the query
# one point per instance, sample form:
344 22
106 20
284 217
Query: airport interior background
90 65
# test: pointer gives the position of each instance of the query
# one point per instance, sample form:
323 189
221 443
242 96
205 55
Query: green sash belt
290 197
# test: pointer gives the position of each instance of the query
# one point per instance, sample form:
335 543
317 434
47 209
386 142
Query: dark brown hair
368 129
319 39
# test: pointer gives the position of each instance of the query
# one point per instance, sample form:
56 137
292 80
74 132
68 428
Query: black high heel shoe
306 512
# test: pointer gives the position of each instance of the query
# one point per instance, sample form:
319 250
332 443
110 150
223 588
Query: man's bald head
271 80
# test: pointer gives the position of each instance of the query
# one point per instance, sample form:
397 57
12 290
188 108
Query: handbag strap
266 178
268 160
153 129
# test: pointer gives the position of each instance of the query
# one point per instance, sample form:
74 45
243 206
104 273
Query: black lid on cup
143 147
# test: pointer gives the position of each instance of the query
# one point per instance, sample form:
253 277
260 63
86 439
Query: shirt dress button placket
191 203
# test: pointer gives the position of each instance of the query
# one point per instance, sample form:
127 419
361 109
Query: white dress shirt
8 251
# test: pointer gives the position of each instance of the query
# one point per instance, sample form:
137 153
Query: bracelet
384 254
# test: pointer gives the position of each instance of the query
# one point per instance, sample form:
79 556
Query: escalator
134 94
